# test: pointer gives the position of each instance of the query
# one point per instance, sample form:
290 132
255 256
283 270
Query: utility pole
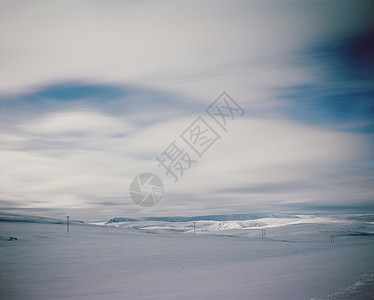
194 226
332 239
67 223
263 233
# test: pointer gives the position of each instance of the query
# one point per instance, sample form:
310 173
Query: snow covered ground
159 259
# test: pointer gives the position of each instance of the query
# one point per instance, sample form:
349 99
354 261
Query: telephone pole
194 226
67 223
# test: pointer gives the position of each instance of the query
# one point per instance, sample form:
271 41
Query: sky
92 92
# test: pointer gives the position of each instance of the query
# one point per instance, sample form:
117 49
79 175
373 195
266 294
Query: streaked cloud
91 92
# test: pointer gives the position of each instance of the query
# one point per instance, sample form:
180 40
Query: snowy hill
296 259
228 217
245 225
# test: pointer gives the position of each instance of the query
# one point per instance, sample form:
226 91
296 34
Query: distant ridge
117 220
7 217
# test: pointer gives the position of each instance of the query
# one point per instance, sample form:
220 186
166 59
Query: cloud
257 162
192 49
75 122
93 92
